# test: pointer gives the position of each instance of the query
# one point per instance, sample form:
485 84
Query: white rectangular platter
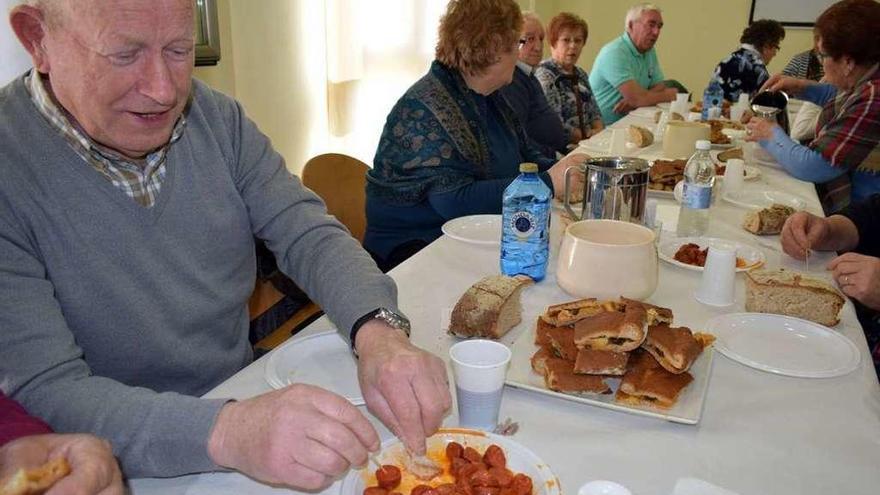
687 410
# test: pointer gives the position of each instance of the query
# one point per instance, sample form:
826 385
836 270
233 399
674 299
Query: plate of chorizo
468 462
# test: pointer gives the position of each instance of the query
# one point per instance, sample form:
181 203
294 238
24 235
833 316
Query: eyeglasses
522 42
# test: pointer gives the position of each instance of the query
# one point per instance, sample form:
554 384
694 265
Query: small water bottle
699 177
713 99
525 225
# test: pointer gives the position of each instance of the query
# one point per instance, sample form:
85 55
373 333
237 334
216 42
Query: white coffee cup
479 367
718 284
733 175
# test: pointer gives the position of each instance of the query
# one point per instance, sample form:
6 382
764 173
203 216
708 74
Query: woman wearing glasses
452 144
844 157
745 70
566 85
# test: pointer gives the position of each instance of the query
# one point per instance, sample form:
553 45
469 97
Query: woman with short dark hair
745 70
452 144
844 158
566 85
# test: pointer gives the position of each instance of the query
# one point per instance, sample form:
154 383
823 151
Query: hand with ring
859 277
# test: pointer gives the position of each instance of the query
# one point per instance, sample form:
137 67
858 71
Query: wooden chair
340 181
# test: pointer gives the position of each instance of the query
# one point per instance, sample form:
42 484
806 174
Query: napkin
694 486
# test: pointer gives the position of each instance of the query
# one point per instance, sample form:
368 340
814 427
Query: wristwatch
392 318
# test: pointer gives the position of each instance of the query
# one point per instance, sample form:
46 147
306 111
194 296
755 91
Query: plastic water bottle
525 225
713 98
699 177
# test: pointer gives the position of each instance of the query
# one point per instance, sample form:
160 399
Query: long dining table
759 432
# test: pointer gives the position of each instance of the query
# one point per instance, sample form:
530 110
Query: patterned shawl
848 136
436 140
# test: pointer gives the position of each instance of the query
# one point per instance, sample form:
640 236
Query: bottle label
523 224
696 197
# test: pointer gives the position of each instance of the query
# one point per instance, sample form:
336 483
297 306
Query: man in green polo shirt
626 74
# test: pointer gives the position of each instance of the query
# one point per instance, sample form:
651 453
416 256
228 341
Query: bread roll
790 293
489 308
640 136
768 221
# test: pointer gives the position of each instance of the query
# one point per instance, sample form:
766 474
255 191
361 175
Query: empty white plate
322 359
477 229
751 198
784 345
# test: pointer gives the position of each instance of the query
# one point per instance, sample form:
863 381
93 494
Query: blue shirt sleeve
819 93
480 197
800 161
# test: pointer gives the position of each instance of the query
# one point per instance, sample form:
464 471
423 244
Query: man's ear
30 28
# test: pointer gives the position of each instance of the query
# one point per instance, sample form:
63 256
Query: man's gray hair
528 14
635 13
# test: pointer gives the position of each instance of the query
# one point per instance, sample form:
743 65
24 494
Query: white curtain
375 51
13 58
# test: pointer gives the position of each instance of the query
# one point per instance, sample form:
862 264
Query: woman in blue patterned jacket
745 70
451 144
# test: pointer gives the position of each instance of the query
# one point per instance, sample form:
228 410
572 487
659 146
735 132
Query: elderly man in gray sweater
129 198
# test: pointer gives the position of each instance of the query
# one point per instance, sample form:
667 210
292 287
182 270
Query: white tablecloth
760 433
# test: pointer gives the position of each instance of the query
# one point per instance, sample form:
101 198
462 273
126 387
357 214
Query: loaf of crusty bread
489 308
768 221
786 292
640 136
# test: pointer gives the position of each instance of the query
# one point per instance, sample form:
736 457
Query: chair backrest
340 181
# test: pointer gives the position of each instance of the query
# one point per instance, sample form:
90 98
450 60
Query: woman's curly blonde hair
473 33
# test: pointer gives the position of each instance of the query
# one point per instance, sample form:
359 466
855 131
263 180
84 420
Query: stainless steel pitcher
772 106
615 188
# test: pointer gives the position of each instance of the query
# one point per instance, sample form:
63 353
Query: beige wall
221 76
696 36
273 56
270 62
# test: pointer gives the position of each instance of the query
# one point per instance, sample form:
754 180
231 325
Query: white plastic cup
743 100
719 276
479 367
618 141
682 98
733 176
736 112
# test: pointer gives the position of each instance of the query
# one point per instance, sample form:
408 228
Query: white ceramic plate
322 359
752 256
784 345
476 229
756 199
687 410
645 112
519 460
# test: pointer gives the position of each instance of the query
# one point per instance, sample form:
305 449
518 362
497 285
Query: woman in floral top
745 70
559 76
